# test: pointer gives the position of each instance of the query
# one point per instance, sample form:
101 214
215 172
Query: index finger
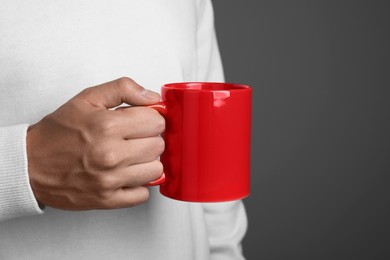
139 122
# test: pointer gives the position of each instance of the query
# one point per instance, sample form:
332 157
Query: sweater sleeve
16 196
226 222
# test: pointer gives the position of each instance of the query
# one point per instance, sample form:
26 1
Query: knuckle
102 194
104 183
102 158
86 94
106 127
108 159
86 91
124 82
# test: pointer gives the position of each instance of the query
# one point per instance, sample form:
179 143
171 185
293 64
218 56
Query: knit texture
52 50
16 196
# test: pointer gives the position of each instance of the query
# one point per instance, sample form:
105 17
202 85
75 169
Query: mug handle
162 109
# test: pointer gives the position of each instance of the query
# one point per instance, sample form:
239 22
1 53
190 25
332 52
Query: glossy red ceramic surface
207 141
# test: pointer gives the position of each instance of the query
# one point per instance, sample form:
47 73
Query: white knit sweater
51 50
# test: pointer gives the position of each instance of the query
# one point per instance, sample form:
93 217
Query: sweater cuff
16 196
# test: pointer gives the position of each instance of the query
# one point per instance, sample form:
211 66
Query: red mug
207 141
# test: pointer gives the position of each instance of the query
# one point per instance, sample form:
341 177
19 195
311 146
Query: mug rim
212 86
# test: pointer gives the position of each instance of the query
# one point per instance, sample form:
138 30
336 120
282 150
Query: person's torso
51 50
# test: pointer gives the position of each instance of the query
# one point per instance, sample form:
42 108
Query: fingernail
150 94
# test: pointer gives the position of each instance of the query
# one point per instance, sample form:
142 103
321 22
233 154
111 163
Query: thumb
114 93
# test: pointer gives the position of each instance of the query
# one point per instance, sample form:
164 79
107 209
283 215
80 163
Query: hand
85 156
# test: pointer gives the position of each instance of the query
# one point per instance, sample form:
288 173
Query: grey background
321 149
